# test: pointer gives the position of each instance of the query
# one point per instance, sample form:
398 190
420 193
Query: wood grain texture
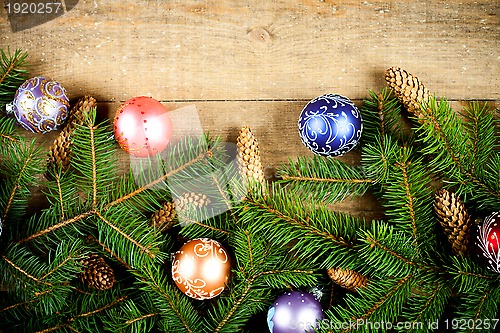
258 62
265 50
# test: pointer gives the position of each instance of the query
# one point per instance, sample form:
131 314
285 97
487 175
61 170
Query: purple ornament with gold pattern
330 125
40 105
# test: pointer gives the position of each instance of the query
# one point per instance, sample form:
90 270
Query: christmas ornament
97 273
201 268
294 312
40 105
60 151
165 217
408 89
142 126
347 278
455 220
249 161
488 241
330 125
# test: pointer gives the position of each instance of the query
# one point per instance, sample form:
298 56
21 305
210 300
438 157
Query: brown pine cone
249 160
408 89
347 278
455 220
60 151
164 218
190 199
97 273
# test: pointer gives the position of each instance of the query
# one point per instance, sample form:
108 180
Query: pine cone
164 218
408 89
347 278
97 273
190 199
249 161
455 220
60 151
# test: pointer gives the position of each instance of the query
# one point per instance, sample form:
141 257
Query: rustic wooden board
257 63
265 50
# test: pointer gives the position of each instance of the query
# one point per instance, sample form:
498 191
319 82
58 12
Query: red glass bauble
201 268
488 241
142 126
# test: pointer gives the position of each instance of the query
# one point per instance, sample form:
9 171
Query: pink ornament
142 126
488 241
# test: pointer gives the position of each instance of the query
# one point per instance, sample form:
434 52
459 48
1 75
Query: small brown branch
411 207
16 305
379 303
149 315
167 297
107 306
24 272
47 330
247 233
61 202
374 243
56 268
12 66
327 180
107 249
158 180
291 220
16 186
8 137
250 283
126 236
206 226
94 167
56 226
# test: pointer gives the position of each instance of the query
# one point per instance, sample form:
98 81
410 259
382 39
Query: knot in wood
260 36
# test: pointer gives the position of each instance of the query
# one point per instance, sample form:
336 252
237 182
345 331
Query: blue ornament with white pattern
330 125
295 312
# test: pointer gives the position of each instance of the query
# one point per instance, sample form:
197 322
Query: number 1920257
21 7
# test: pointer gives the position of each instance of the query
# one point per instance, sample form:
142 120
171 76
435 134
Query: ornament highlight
142 126
294 312
330 125
488 241
201 268
40 105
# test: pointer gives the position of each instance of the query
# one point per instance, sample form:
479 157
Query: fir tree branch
105 307
19 269
125 235
108 250
159 180
323 179
23 164
174 305
57 178
57 226
446 140
92 128
149 315
12 73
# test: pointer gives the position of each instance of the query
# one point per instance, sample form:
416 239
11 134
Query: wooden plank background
258 62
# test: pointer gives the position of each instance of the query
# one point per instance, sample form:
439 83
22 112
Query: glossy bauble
488 241
330 125
40 105
294 312
201 268
142 126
